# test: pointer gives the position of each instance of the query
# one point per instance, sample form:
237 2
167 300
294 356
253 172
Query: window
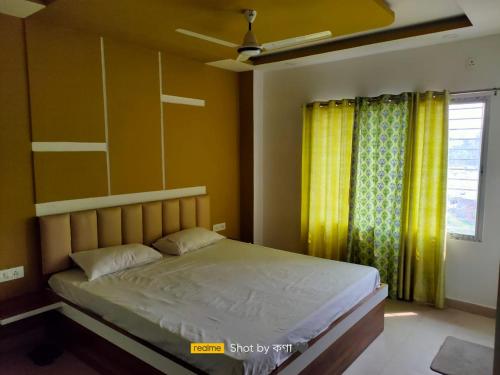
467 126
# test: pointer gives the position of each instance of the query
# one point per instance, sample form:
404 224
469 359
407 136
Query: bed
232 292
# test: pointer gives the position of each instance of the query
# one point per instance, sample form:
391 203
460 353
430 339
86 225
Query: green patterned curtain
378 171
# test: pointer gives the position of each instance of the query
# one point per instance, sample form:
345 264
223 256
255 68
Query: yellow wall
67 105
69 175
17 223
66 93
66 85
132 77
201 143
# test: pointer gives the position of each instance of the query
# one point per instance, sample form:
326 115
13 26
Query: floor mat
459 357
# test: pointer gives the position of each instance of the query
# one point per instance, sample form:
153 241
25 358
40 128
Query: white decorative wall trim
59 207
68 147
105 110
162 131
182 100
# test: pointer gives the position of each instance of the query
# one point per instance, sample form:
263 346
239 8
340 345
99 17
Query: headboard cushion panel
171 216
152 220
109 225
63 234
55 233
83 231
188 213
203 211
132 224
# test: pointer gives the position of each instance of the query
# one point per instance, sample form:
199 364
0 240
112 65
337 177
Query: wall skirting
486 311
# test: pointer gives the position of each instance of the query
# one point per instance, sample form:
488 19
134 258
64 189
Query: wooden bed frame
112 350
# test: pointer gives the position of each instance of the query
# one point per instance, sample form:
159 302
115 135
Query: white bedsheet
229 292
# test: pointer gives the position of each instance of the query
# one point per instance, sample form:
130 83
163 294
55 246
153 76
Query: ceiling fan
250 47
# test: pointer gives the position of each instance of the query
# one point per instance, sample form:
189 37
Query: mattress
232 292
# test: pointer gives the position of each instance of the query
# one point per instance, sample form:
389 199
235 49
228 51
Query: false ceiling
153 22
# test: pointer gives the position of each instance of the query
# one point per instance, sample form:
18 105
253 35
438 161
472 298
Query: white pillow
100 262
186 240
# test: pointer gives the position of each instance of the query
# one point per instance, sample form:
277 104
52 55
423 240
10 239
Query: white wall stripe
58 207
67 146
182 100
105 107
162 131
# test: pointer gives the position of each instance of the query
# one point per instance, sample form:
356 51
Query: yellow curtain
326 170
421 271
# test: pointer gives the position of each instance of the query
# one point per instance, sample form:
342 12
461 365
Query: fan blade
242 58
207 38
297 40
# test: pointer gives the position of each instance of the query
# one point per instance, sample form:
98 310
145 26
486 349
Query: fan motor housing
250 50
250 45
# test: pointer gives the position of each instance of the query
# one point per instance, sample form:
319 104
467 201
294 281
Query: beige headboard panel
138 223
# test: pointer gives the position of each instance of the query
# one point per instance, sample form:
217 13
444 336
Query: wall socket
471 63
11 274
219 227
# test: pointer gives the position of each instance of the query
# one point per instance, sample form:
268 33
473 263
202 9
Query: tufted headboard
144 223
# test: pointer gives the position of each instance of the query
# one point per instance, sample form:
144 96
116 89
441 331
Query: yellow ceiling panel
153 22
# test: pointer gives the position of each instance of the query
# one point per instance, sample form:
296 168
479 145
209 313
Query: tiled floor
413 335
17 363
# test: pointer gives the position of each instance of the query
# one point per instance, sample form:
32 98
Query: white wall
472 268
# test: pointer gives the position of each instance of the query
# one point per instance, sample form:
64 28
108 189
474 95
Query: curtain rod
493 90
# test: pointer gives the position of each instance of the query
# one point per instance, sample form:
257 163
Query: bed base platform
112 350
